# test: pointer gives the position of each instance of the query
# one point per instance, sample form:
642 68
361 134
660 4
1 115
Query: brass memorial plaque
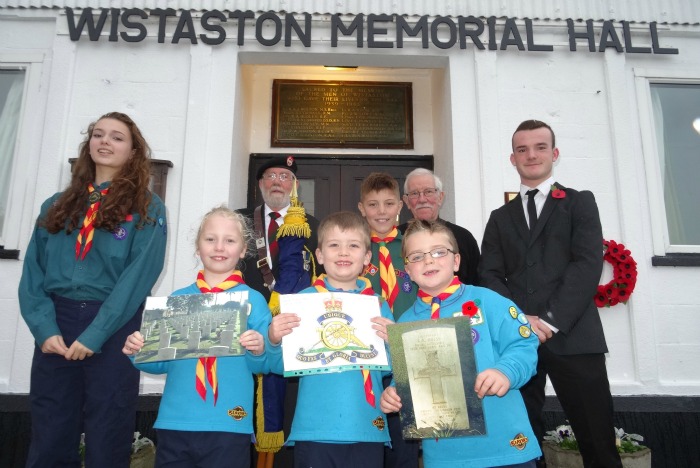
342 114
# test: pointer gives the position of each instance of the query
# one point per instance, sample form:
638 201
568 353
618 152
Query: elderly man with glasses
424 196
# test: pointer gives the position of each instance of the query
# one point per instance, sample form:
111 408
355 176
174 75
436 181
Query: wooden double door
330 183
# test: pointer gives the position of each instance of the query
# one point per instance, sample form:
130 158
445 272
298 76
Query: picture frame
434 372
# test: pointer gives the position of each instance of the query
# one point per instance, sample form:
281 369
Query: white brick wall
206 108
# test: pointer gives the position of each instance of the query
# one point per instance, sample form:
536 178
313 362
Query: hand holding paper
491 382
134 343
379 324
281 326
390 402
253 342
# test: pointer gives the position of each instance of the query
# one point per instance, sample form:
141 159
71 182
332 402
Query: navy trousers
403 453
96 396
356 455
581 384
187 449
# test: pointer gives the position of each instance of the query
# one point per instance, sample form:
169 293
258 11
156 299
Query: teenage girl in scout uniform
95 253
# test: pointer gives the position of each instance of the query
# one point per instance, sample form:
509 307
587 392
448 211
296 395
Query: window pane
306 194
11 86
677 119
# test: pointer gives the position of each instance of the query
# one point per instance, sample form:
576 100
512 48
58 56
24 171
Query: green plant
628 443
564 437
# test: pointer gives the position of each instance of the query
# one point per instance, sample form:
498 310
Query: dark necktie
531 208
272 234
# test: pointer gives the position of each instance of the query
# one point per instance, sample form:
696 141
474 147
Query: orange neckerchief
320 286
206 366
87 231
387 273
435 301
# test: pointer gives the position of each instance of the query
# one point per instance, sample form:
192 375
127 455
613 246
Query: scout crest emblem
337 338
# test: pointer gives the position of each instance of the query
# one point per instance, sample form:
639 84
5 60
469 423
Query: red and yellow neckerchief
206 366
320 286
387 273
87 230
435 301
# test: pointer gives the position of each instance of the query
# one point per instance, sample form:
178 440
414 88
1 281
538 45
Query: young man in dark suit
544 251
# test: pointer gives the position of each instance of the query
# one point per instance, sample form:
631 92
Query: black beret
285 162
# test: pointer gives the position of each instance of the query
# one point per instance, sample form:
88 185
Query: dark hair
533 124
345 221
431 227
128 192
378 181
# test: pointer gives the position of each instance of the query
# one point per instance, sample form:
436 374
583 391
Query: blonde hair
247 232
344 220
431 227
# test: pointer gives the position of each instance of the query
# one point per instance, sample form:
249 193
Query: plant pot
144 458
558 457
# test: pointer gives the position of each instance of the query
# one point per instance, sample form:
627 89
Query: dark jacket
554 273
251 273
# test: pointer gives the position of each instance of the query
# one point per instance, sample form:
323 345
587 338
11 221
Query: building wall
206 108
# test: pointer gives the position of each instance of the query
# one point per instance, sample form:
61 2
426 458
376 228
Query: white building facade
615 79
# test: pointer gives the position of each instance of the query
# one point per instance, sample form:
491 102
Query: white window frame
23 176
644 78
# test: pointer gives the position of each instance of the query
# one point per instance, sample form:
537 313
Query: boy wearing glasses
504 346
380 204
424 196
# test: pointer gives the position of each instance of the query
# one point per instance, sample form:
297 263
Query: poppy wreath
620 288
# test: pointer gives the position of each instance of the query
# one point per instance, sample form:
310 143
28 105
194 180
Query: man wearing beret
276 179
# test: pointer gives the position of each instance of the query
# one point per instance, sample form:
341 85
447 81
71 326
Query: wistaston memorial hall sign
381 31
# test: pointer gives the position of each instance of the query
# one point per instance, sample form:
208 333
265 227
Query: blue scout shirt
332 408
503 340
182 409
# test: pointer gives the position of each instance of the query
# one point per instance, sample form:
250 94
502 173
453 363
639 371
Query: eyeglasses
427 193
435 253
283 177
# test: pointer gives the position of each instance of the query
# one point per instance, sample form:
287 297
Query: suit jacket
468 252
251 273
554 273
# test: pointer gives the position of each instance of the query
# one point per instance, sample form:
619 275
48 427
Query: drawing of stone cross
434 371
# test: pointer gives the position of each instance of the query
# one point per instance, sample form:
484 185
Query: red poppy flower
612 291
601 300
623 255
469 309
557 192
622 294
626 276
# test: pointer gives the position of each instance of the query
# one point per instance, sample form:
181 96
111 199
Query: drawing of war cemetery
193 325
